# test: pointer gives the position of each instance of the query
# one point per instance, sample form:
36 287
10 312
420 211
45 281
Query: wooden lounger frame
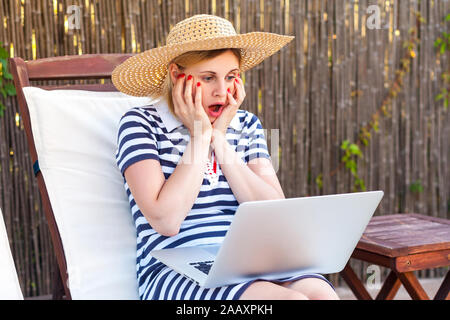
75 67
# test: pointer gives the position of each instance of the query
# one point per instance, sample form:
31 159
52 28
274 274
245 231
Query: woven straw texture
144 74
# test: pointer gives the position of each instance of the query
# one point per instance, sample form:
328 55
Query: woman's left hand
220 125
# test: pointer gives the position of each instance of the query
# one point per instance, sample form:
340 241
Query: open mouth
215 110
215 107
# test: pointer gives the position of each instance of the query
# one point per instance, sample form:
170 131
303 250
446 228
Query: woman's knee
314 289
265 290
324 294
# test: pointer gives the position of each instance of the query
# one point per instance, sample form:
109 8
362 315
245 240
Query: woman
191 158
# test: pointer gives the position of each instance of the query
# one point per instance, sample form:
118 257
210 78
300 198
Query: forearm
245 184
181 189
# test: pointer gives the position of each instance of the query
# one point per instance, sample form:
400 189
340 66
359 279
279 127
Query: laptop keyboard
203 266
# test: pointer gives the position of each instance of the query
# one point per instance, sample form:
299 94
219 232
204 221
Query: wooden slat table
404 243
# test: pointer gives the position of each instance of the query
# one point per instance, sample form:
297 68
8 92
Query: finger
239 90
178 89
231 101
188 92
198 96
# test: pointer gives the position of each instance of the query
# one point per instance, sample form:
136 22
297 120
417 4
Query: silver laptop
274 239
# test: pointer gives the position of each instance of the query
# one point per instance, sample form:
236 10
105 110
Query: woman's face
216 76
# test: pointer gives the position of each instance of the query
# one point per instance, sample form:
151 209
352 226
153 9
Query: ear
174 71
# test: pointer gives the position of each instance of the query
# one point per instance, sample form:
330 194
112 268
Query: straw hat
144 73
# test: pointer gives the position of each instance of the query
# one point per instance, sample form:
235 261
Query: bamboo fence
337 77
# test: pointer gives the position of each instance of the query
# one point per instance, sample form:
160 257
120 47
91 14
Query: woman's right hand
190 111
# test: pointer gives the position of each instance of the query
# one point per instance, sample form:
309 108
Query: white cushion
9 282
75 134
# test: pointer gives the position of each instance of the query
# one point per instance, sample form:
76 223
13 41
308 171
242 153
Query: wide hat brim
144 74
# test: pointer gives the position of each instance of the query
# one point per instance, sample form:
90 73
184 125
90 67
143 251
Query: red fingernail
181 76
189 77
239 75
198 84
229 90
236 80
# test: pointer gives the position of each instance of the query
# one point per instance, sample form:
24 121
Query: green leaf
376 128
8 75
365 142
439 97
354 149
3 53
319 181
416 187
4 64
361 184
345 144
10 89
2 108
350 164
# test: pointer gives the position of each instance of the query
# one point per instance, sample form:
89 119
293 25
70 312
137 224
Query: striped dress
152 132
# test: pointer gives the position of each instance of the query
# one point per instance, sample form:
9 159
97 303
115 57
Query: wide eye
231 78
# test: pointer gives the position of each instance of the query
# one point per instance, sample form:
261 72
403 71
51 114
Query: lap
305 287
168 284
314 288
266 290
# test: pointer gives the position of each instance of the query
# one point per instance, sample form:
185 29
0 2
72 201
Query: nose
221 87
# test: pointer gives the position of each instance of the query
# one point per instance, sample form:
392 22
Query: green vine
319 181
442 44
352 150
416 187
6 86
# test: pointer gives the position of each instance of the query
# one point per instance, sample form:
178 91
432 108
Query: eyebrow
215 72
